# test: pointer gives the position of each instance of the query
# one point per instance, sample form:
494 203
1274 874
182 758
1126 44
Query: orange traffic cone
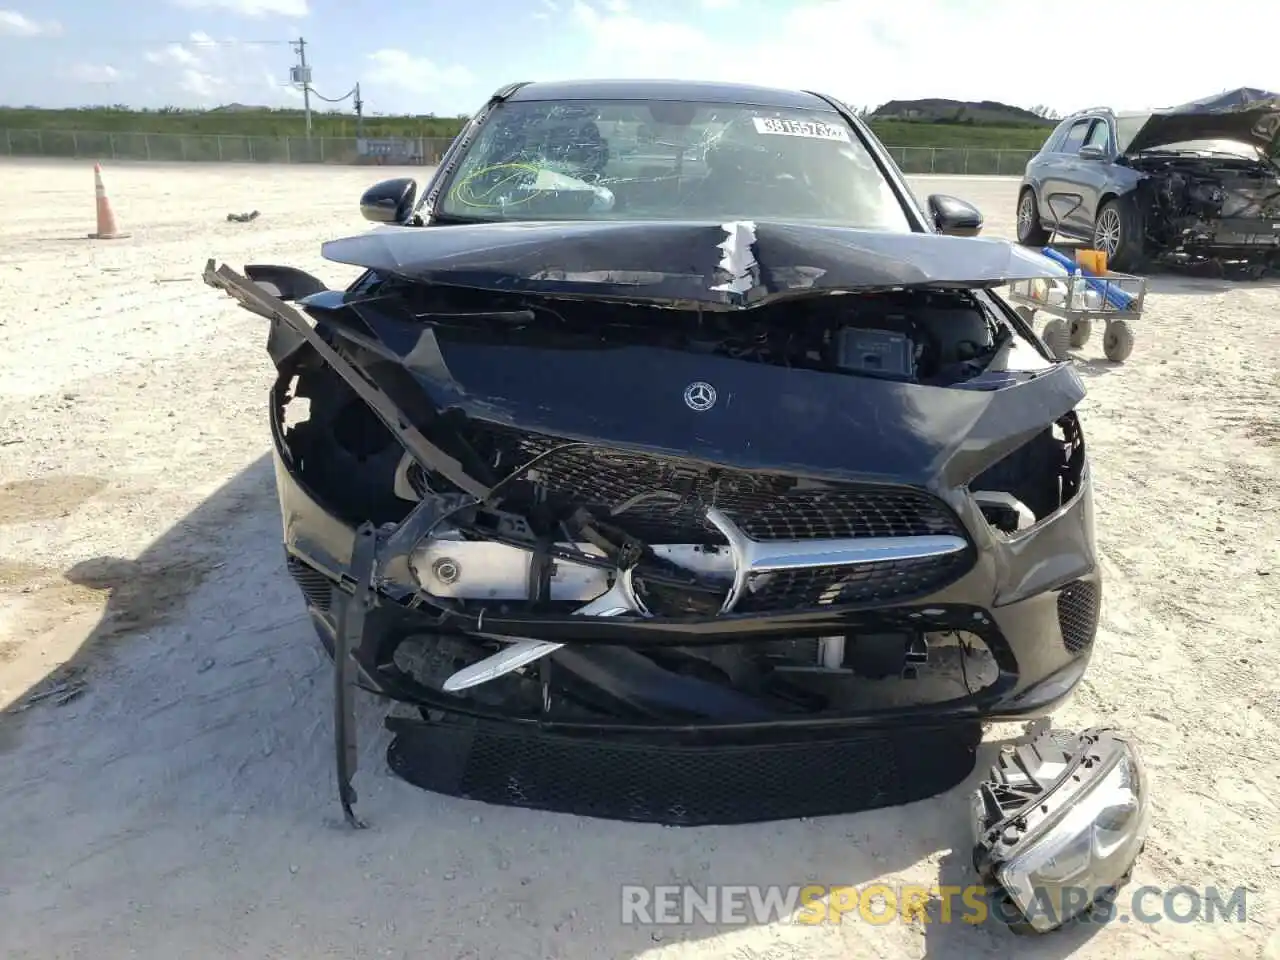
107 229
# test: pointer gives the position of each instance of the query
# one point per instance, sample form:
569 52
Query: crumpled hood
1257 124
713 265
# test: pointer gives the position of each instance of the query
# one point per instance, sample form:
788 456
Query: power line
359 105
354 91
231 43
225 43
183 42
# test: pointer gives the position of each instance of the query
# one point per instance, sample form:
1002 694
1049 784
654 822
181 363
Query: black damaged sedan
669 461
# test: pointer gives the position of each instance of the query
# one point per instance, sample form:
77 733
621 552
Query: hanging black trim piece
352 610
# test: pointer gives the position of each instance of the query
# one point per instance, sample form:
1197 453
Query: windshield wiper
457 218
1233 156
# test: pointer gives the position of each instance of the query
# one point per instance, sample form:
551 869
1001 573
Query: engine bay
1187 196
935 338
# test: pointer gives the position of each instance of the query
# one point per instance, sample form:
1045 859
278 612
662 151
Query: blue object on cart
1118 298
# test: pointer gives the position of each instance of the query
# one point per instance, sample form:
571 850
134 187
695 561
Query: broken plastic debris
738 261
61 693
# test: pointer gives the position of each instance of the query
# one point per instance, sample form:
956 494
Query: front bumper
1039 618
1232 238
1034 602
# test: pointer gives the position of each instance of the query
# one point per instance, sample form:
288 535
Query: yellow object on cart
1095 261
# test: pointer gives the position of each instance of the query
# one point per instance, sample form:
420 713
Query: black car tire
1031 232
1120 215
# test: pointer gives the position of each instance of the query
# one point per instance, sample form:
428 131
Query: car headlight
1060 822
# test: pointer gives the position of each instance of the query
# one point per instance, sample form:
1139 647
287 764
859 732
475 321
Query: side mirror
390 201
954 217
1091 151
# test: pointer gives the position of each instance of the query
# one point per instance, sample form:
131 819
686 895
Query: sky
447 56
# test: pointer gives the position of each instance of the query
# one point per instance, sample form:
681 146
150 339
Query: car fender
1122 181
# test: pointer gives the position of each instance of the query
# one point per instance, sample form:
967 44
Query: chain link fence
964 161
194 148
389 150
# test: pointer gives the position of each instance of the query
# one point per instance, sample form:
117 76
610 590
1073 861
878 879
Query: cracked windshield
601 160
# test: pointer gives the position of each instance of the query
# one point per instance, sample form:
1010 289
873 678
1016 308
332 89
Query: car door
1091 167
1062 202
1040 167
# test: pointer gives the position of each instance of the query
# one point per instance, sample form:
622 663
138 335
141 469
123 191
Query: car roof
1116 114
697 90
1088 112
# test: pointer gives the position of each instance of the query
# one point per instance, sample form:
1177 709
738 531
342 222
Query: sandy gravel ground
175 797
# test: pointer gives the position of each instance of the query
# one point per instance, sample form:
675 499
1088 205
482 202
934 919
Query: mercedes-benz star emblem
700 396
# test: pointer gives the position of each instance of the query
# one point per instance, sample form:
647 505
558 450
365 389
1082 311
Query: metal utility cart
1075 302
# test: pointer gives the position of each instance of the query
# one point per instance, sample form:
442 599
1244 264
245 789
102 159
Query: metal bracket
352 611
618 601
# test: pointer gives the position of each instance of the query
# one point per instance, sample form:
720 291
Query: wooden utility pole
302 76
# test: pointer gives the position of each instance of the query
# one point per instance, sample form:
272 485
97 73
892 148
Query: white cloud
870 53
203 86
256 9
404 71
655 43
719 4
93 73
173 53
959 50
209 72
15 24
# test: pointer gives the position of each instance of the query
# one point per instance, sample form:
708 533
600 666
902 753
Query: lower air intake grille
814 775
315 586
1079 604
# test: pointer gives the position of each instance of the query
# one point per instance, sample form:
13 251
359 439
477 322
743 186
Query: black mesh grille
1078 609
661 499
687 785
870 512
865 583
315 586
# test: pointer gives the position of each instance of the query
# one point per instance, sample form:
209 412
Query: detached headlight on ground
1059 824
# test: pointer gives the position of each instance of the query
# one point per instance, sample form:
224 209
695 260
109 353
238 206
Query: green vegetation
255 122
923 133
240 122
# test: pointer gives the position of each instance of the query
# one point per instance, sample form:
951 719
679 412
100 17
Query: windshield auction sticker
801 128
